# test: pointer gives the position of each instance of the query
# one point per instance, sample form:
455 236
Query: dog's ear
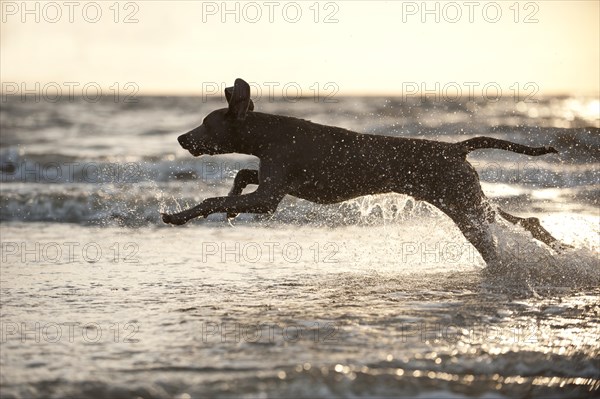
239 100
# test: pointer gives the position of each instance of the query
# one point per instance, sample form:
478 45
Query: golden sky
362 47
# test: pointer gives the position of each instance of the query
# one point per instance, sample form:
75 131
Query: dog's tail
488 142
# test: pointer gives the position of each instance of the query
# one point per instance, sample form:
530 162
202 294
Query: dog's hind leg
241 180
478 234
474 225
535 228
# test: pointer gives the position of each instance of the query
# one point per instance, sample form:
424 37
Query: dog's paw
172 219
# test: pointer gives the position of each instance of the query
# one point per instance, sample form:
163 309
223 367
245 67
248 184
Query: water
376 297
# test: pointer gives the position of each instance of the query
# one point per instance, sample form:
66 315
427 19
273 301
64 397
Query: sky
303 47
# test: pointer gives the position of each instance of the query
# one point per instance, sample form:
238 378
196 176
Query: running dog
326 164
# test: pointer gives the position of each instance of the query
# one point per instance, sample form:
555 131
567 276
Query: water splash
530 267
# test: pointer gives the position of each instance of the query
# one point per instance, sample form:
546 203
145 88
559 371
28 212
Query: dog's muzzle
196 148
188 144
183 141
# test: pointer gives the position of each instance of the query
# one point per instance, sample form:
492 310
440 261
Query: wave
53 168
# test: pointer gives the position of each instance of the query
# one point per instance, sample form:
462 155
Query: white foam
530 266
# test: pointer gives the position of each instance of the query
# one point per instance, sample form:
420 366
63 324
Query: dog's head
220 130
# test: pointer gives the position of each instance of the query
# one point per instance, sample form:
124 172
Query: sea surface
375 297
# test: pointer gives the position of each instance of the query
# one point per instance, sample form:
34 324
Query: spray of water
529 266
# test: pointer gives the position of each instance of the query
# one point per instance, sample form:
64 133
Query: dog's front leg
242 179
264 200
